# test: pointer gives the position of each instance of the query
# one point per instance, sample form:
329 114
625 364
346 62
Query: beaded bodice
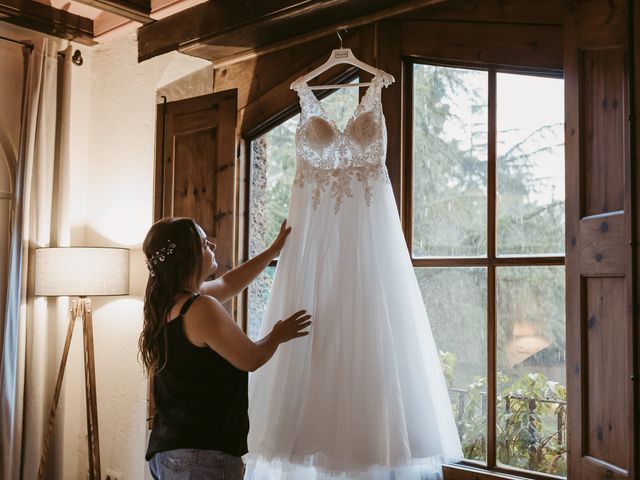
330 159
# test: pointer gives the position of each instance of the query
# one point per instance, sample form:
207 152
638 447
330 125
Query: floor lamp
80 272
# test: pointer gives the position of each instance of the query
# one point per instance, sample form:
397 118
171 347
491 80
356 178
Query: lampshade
81 271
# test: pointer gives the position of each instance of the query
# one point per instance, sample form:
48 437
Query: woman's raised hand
292 327
278 243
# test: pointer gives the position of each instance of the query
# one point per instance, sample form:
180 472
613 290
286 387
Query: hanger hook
340 37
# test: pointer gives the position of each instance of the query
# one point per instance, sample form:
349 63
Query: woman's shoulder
205 317
206 306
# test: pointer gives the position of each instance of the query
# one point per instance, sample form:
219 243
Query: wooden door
195 166
601 436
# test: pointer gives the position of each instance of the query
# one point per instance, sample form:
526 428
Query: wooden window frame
471 469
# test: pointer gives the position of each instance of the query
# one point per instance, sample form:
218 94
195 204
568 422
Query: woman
197 354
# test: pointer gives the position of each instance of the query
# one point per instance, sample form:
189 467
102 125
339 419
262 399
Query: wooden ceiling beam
136 10
232 28
46 19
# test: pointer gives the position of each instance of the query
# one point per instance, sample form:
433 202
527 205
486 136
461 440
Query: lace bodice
331 159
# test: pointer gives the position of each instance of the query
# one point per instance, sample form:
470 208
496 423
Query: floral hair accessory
160 257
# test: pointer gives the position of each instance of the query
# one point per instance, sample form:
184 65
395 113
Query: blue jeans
193 464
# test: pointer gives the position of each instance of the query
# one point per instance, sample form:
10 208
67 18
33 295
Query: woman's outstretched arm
208 324
236 280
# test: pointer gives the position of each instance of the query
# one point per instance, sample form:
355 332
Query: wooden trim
46 19
630 162
407 198
485 262
491 276
275 28
505 45
468 471
56 393
90 388
390 60
542 12
634 212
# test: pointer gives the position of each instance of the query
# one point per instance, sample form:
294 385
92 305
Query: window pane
530 165
456 301
258 298
272 170
531 404
449 162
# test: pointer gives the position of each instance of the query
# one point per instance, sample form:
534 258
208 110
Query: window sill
465 472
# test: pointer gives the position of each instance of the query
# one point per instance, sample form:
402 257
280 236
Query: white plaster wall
119 211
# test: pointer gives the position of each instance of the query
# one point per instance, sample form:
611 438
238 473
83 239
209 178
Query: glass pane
456 301
531 404
530 165
449 162
258 298
273 163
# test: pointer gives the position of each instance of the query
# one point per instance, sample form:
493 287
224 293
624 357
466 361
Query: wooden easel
80 307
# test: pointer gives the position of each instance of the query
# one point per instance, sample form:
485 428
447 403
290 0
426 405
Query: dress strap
188 303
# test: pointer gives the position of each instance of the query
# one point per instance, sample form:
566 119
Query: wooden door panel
603 104
602 246
601 437
606 376
198 169
194 182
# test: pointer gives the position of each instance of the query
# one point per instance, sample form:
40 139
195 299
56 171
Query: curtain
32 327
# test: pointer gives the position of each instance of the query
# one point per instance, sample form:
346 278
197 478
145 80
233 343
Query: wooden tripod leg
90 389
56 395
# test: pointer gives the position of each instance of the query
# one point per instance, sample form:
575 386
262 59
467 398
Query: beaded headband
160 257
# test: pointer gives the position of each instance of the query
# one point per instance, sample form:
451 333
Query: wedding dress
363 395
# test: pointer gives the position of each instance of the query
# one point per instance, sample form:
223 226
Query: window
486 228
272 168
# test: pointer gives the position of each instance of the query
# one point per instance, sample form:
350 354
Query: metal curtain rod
76 58
17 42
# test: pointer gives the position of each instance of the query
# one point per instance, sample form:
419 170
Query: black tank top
201 399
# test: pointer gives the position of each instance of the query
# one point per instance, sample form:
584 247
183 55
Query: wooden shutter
195 166
599 256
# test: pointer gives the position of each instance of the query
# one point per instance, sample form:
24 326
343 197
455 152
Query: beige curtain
32 327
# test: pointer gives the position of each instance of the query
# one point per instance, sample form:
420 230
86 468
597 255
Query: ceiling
88 21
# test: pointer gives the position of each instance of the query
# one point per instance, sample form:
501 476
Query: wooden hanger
341 56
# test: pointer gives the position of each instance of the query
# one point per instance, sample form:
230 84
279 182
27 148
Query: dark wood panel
602 246
194 183
603 144
272 106
533 46
260 29
390 58
207 19
256 77
52 21
607 427
632 176
508 11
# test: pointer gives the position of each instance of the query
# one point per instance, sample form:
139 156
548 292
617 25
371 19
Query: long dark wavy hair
172 276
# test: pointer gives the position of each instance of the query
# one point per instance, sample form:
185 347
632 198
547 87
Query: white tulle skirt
363 395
